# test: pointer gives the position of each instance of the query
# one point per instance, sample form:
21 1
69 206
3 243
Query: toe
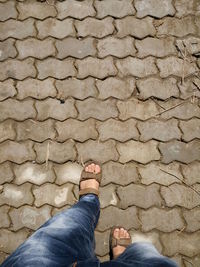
97 169
121 233
116 233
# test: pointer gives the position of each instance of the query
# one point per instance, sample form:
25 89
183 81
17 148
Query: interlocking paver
5 221
7 89
184 7
68 172
102 242
190 129
7 49
108 196
7 131
191 43
189 88
6 174
8 11
154 8
192 218
191 173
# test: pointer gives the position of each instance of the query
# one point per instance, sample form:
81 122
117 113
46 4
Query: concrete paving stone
3 255
75 88
77 130
36 88
98 68
72 47
7 49
118 88
134 108
176 27
185 244
180 195
58 210
5 221
94 27
156 173
35 9
117 173
192 218
33 173
17 69
7 130
10 240
68 172
55 68
156 47
154 8
195 261
35 130
184 7
190 129
117 130
57 152
102 243
132 26
95 108
30 217
53 108
17 29
75 9
139 196
190 43
158 88
32 47
113 216
16 152
8 11
55 28
7 89
104 258
174 66
95 150
17 110
131 66
108 196
161 219
53 195
16 196
191 173
151 237
116 47
189 88
156 129
113 8
178 260
180 151
6 174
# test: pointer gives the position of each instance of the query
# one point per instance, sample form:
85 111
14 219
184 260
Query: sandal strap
88 175
88 191
124 242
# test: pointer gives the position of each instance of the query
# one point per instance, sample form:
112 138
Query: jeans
68 237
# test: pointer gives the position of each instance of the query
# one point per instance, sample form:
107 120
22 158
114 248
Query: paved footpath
117 81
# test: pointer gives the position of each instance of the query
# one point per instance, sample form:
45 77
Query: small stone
117 173
190 129
16 152
192 218
77 130
159 88
4 222
180 151
33 173
180 195
118 88
108 196
52 108
191 173
160 173
113 216
7 49
7 131
94 108
136 67
133 194
36 88
69 172
132 26
72 47
54 195
154 8
94 27
160 219
16 196
99 68
6 174
29 217
114 129
57 152
101 152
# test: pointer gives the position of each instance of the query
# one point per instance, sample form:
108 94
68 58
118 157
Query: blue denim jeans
68 237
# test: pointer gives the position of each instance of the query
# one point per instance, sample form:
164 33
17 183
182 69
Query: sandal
89 175
114 242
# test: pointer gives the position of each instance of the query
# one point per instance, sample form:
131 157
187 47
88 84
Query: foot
91 183
119 233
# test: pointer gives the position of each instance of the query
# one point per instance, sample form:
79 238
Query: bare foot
91 183
119 233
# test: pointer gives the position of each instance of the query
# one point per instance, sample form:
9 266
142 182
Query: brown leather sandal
89 175
114 242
